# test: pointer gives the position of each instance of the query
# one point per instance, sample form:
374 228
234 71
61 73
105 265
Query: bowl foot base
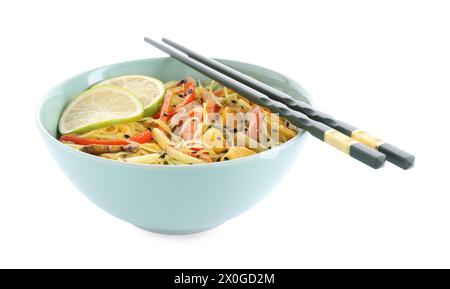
176 232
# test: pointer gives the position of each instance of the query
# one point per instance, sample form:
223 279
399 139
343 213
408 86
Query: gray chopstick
367 155
393 154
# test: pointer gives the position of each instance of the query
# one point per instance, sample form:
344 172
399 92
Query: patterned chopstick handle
393 154
366 138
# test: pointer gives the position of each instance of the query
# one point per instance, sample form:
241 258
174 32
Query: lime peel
148 89
100 106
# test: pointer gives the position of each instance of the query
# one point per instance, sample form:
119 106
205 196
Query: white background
381 65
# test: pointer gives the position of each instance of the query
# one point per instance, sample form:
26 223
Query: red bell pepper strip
143 137
253 129
206 158
166 108
188 92
211 104
253 126
212 107
219 92
189 130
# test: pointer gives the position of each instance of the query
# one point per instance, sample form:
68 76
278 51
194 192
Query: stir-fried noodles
195 124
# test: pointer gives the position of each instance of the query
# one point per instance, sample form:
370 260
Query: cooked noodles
197 123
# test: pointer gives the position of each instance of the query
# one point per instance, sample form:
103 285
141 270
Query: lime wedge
98 107
148 89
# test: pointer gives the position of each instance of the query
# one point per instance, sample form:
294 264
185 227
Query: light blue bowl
168 199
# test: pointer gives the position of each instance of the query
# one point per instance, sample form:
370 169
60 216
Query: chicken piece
228 117
236 152
215 139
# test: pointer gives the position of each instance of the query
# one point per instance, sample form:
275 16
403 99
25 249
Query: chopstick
393 154
356 150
